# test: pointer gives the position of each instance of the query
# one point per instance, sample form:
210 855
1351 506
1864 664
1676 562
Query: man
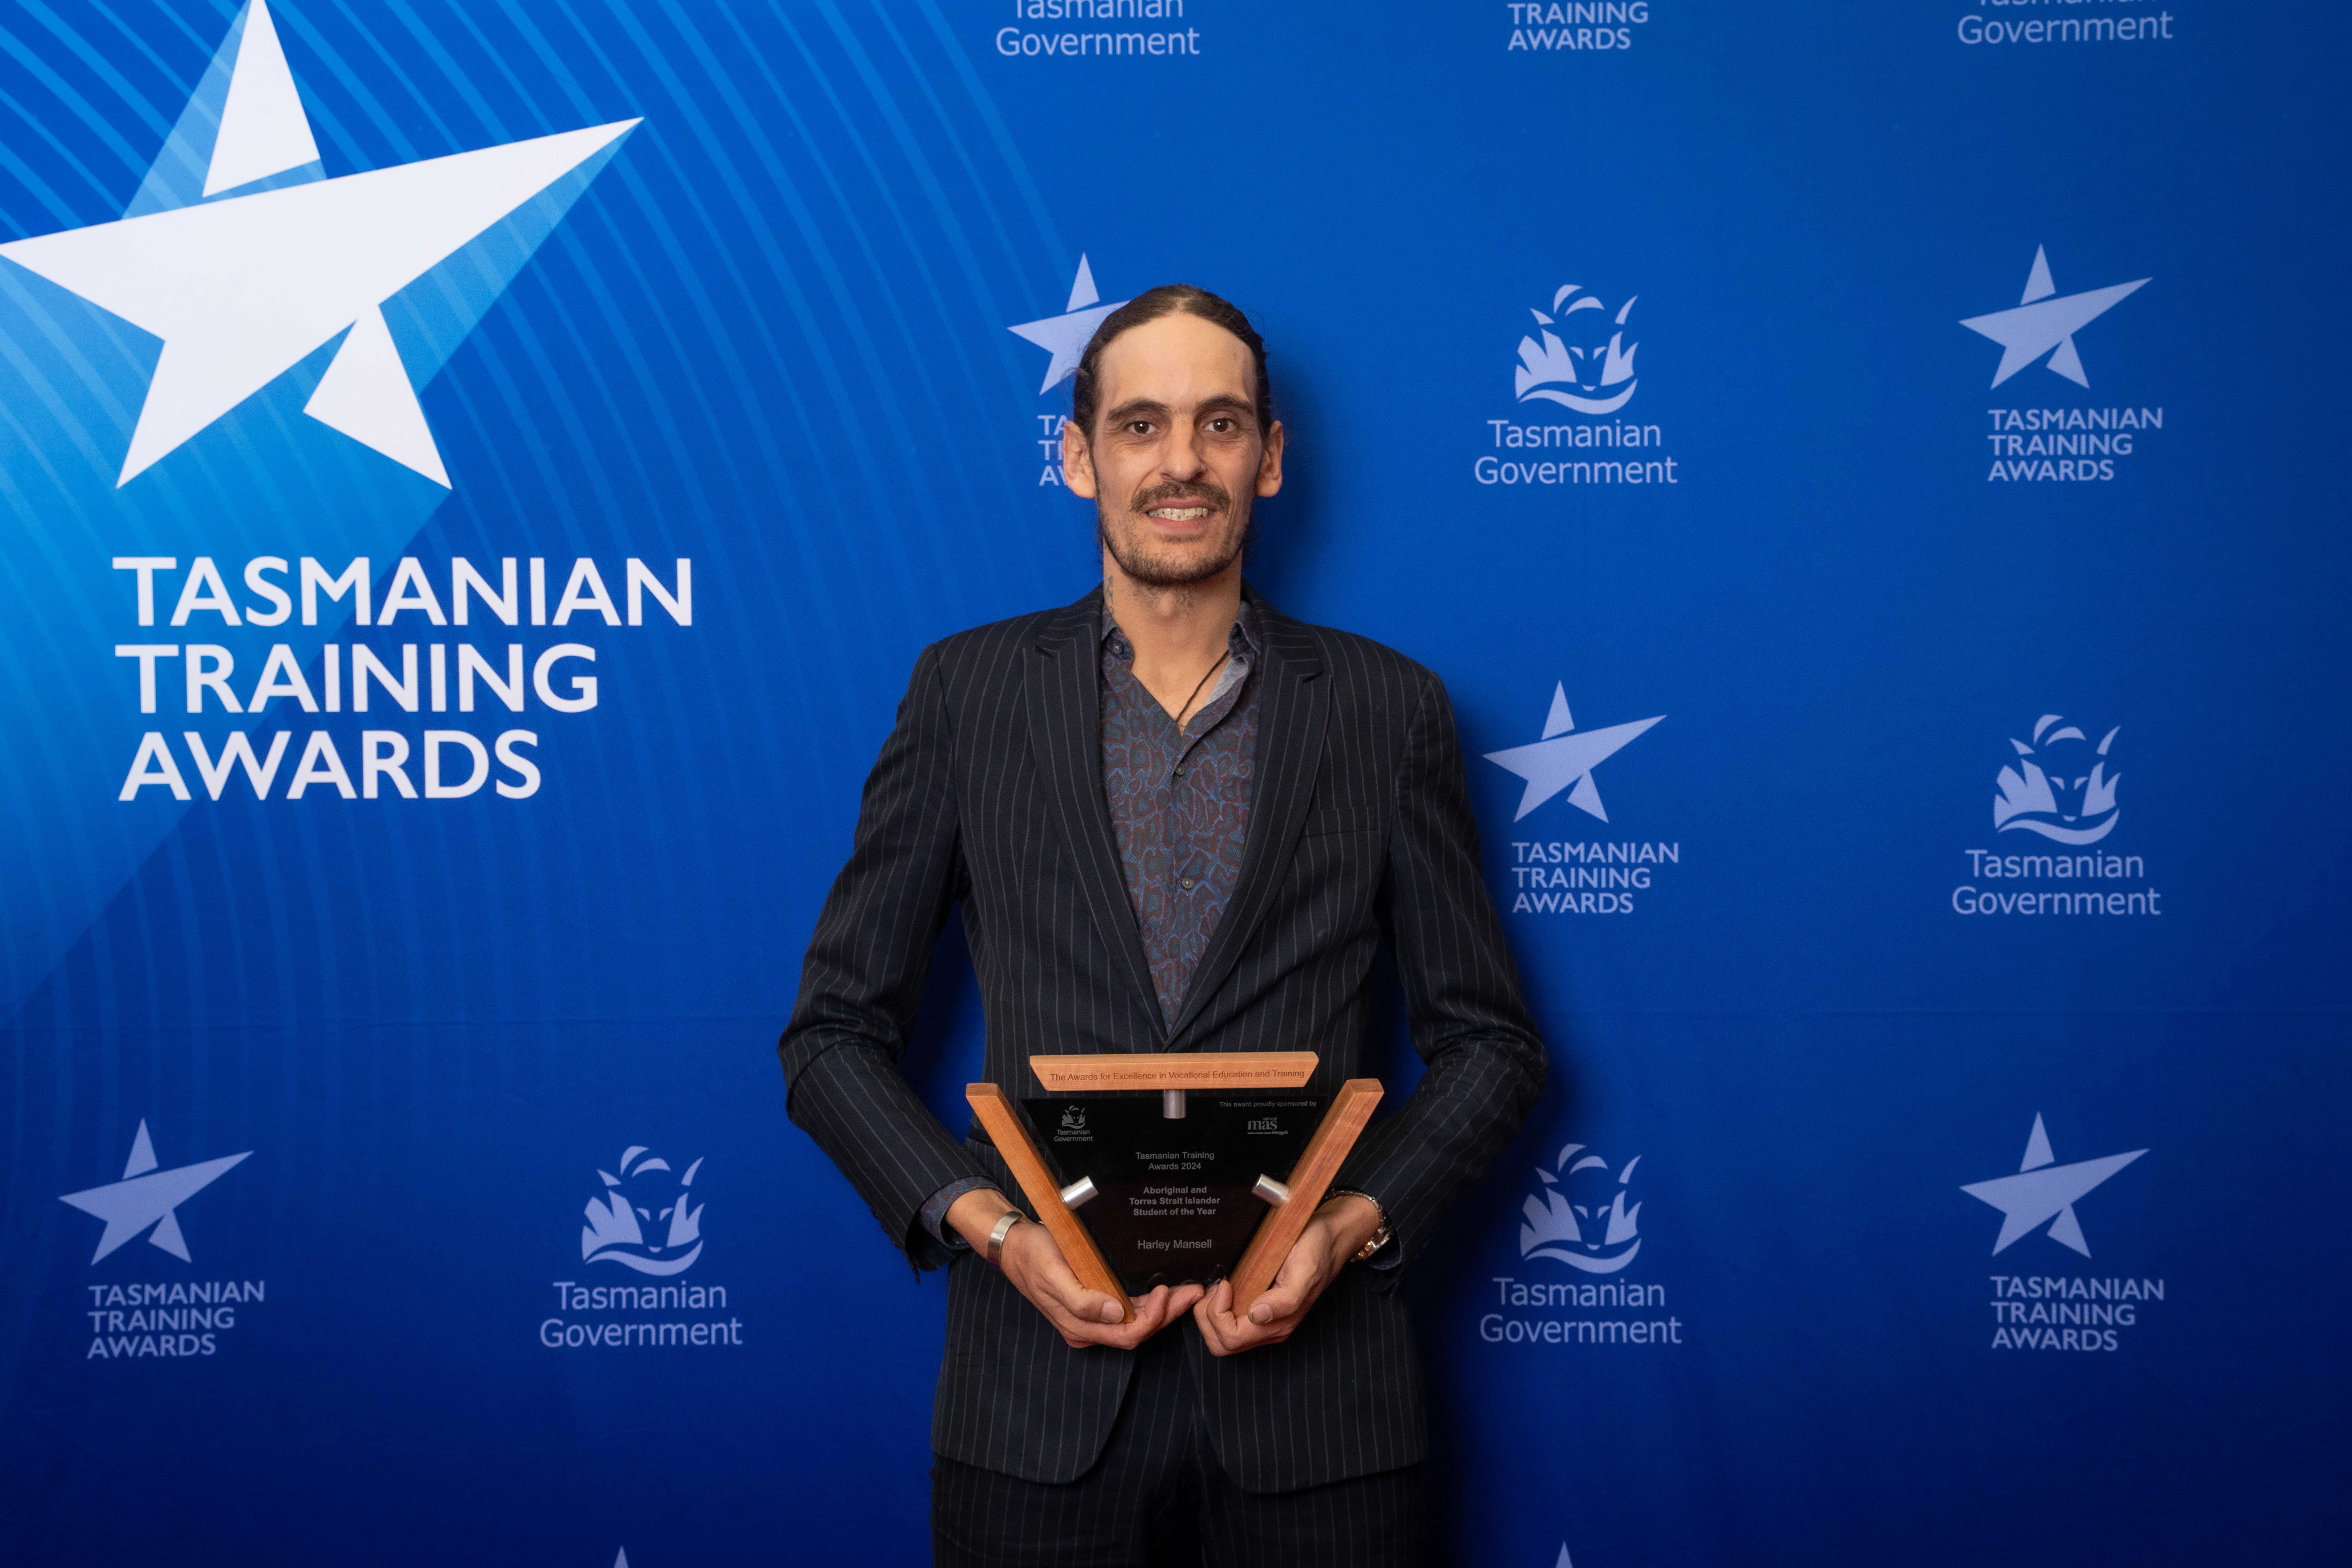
1176 820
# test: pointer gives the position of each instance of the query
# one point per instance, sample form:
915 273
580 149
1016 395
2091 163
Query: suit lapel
1065 702
1293 703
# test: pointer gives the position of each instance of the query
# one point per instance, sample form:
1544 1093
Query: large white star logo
147 1196
2043 322
2042 1190
241 287
1066 336
1565 757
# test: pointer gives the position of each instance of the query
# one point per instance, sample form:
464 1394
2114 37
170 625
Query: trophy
1215 1178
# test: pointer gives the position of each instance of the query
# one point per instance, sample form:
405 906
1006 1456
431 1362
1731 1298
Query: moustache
1206 492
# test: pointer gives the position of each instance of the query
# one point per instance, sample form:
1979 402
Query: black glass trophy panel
1173 1203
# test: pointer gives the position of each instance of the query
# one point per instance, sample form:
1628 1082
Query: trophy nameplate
1189 1186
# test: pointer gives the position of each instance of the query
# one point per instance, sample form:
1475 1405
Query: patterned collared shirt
1179 802
1180 806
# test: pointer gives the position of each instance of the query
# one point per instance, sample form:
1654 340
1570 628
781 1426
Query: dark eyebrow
1146 408
1136 408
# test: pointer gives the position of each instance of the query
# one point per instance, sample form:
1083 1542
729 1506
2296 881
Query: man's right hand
1037 1269
1083 1317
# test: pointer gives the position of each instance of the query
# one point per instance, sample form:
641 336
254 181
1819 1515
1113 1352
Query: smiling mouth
1191 513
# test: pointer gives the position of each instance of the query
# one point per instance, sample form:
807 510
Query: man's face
1175 458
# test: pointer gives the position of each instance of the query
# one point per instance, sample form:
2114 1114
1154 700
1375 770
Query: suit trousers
1159 1498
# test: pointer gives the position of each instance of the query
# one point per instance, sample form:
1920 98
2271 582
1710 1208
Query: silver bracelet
1005 1223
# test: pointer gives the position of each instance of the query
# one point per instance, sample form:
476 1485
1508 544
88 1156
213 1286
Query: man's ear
1269 466
1077 462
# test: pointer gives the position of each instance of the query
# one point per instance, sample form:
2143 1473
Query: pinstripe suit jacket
990 792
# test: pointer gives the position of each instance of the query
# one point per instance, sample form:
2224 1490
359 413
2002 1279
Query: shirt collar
1243 639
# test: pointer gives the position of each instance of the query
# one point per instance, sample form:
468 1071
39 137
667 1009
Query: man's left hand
1336 1234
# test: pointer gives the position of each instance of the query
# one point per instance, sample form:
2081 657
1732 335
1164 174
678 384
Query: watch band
1380 1236
1005 1223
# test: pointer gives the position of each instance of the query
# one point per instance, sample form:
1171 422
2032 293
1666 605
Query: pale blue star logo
2045 1192
147 1196
243 276
1564 759
2045 323
1066 336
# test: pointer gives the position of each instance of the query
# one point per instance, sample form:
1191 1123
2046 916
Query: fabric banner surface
478 475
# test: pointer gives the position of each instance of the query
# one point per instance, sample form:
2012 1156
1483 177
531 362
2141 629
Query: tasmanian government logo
2034 802
1589 377
648 1222
642 1202
173 1318
2065 1310
1580 1215
1579 358
1063 338
2061 786
244 258
1577 875
1592 1237
2068 442
1055 31
1978 28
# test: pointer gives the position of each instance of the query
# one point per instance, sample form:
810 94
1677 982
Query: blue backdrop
1926 418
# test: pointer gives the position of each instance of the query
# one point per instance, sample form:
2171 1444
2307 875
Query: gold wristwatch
1379 1236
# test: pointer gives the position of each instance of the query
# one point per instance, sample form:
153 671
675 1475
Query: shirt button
1186 884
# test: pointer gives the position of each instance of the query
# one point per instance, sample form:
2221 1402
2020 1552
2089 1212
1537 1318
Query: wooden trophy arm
1309 1180
1019 1152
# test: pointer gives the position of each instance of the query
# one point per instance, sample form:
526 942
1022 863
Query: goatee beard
1172 572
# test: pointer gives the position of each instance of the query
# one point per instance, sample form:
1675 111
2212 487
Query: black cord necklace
1213 670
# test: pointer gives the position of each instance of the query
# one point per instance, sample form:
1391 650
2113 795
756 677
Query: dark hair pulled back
1167 299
